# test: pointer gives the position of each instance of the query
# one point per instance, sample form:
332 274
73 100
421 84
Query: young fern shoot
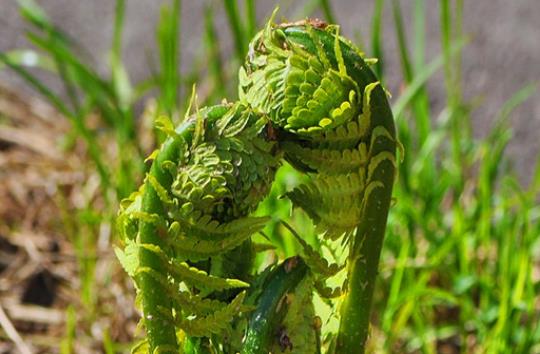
308 97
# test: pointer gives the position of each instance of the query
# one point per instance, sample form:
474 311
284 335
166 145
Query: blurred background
80 85
502 56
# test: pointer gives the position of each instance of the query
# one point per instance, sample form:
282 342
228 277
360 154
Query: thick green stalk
156 306
366 247
161 334
270 308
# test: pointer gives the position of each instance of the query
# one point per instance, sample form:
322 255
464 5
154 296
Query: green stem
157 308
160 332
366 246
269 312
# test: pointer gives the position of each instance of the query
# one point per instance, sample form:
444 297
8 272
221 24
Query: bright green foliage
306 96
299 88
333 202
273 294
314 84
224 168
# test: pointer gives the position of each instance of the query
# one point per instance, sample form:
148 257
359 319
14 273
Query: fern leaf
316 262
195 304
202 280
195 249
327 161
327 292
215 231
160 190
128 257
333 202
346 136
218 322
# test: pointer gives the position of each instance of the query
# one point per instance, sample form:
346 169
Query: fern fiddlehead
306 96
316 86
192 209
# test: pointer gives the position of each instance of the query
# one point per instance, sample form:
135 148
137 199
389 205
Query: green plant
306 96
459 267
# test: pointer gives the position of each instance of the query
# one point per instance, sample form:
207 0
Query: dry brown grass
45 180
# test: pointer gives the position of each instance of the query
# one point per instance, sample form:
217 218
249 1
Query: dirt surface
502 57
40 253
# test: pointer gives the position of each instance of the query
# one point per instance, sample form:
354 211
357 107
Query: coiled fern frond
194 207
306 96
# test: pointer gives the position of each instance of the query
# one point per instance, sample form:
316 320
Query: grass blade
237 28
29 58
120 79
327 11
251 18
57 102
421 78
34 14
168 38
30 79
214 56
421 102
402 41
376 42
419 20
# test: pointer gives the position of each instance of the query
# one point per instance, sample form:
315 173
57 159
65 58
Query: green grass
463 237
